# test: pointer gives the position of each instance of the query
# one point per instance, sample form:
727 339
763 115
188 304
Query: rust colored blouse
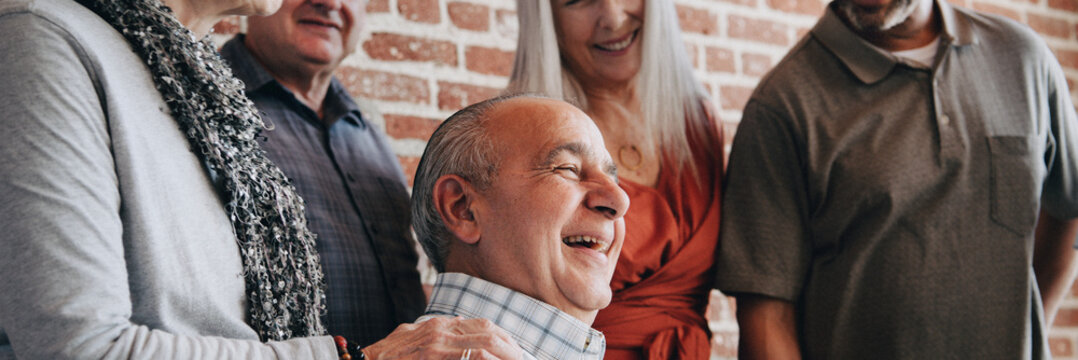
665 274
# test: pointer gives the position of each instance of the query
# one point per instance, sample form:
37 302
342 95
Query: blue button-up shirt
357 202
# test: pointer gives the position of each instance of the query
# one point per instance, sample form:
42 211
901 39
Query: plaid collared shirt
542 330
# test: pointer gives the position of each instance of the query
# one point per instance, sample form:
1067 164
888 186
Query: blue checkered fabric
542 330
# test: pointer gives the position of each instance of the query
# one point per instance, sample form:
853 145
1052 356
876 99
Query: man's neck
309 90
920 28
309 84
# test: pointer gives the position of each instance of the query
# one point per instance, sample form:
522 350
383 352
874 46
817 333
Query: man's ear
453 198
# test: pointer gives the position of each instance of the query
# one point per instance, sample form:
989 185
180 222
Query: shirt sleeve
65 290
764 245
1060 195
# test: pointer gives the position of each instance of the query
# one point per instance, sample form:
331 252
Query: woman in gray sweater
138 216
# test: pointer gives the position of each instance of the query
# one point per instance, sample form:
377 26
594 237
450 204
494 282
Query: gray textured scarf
285 291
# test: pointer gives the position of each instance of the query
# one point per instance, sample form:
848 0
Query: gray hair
460 146
674 101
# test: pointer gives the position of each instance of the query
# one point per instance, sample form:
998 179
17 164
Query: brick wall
421 60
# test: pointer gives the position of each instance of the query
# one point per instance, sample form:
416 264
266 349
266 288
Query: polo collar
870 63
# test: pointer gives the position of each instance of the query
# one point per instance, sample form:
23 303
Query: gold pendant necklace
634 151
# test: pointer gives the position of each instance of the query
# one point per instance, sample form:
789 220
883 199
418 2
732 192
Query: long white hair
672 101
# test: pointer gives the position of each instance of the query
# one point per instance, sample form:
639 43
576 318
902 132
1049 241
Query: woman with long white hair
624 63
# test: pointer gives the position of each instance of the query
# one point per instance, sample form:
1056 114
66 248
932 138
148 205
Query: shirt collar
244 65
539 328
870 63
338 103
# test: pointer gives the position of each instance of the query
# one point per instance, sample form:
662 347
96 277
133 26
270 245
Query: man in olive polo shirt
903 186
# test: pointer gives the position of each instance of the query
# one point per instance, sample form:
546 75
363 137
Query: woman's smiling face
600 40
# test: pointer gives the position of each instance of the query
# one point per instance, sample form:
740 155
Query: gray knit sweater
113 241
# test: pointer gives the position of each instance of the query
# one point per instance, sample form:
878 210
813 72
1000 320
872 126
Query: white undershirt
924 56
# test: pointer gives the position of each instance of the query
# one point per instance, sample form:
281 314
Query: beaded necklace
285 290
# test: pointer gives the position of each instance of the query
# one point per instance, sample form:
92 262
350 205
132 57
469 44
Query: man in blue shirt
355 192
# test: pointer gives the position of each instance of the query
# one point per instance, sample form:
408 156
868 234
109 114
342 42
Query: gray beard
894 15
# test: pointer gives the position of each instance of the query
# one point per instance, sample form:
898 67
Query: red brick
693 52
489 61
724 344
409 164
1061 347
455 96
720 60
999 10
1067 58
1066 317
755 64
377 6
800 32
740 2
227 26
384 86
424 11
1050 26
808 7
734 97
387 46
758 30
469 16
505 23
1066 5
410 127
696 20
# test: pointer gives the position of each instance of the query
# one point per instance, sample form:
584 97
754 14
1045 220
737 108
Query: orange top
665 274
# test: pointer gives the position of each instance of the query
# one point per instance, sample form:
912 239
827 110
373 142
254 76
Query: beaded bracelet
342 349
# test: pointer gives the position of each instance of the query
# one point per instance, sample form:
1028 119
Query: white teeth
618 46
587 241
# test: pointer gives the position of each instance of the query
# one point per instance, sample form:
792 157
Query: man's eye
568 168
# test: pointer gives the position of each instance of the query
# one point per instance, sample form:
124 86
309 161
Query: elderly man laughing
516 202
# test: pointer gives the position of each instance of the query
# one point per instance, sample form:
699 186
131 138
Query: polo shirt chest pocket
1014 186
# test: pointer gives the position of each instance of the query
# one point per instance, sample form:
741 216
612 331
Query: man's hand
768 328
446 338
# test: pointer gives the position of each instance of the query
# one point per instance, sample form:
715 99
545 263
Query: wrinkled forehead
539 128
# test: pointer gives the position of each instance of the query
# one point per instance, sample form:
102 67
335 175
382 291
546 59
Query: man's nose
608 198
328 4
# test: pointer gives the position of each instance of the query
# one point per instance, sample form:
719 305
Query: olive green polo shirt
895 205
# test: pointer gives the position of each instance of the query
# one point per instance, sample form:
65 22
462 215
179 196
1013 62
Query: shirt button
945 120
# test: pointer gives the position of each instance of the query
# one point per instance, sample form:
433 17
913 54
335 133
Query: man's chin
323 57
596 299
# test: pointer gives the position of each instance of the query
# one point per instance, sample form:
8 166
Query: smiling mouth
620 45
587 242
319 23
